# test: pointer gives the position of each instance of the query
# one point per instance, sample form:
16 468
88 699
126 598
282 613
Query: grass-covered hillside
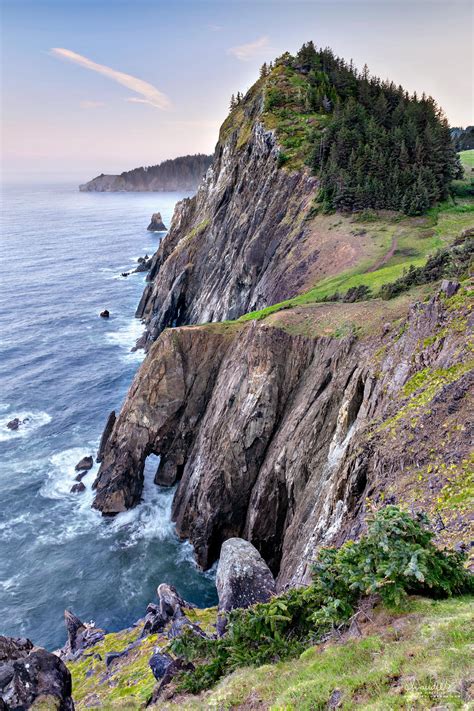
353 637
386 245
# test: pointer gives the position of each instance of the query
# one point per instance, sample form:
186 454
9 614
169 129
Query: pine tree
233 102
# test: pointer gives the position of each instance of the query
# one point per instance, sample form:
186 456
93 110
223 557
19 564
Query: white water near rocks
62 370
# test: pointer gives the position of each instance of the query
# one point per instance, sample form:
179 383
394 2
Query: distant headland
183 173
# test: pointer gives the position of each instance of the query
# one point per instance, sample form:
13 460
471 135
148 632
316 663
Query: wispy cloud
215 28
86 104
245 52
149 94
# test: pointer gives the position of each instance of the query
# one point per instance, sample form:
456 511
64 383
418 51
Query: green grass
467 158
415 661
414 244
128 682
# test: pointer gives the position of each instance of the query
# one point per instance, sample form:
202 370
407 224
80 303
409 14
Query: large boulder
243 578
156 224
31 675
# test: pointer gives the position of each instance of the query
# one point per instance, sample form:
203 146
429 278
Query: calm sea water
64 368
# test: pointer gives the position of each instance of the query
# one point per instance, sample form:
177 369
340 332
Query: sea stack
157 224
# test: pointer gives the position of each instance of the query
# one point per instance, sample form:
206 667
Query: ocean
62 370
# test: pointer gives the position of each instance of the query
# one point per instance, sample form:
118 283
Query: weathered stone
14 424
159 663
156 224
449 287
85 463
105 435
29 674
80 635
78 488
243 578
182 624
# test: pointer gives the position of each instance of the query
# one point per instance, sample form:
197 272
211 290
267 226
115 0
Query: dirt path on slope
383 260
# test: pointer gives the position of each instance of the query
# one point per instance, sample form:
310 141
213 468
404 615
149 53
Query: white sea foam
61 475
126 336
29 422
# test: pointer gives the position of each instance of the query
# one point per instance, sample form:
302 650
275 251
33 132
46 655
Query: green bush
397 556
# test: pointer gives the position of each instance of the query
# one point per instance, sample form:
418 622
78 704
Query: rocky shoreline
30 675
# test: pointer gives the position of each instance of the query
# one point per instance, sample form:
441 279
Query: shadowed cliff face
279 438
229 249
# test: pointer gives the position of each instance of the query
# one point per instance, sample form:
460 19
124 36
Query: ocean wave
30 421
62 473
125 337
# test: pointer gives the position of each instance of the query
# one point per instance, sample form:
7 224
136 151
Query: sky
102 86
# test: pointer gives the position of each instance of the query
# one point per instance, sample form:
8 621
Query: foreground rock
105 313
157 224
243 578
31 676
80 635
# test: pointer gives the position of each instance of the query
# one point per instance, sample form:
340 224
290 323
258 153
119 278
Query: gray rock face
449 287
243 578
228 248
268 433
80 635
105 435
30 675
156 223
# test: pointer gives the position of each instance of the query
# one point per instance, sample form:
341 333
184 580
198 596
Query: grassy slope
127 682
413 660
416 239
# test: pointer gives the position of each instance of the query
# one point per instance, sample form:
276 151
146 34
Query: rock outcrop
243 578
279 438
80 635
32 677
156 223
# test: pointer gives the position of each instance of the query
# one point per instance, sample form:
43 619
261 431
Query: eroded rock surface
279 439
32 676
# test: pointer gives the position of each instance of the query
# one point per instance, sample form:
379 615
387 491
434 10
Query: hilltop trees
381 147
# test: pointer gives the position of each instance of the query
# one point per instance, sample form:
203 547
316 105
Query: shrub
397 556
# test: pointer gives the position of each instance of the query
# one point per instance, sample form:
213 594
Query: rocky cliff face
239 244
280 439
272 432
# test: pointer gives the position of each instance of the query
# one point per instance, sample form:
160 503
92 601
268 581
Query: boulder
159 663
14 424
105 435
156 224
243 578
78 488
32 676
85 463
449 287
175 667
105 313
81 475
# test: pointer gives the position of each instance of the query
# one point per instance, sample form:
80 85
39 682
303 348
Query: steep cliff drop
281 429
